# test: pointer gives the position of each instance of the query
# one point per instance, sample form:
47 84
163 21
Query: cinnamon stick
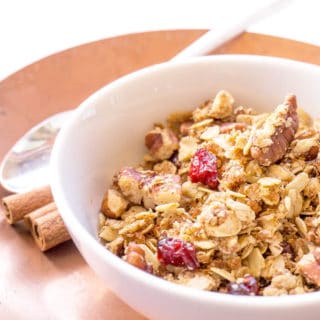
48 230
18 205
30 217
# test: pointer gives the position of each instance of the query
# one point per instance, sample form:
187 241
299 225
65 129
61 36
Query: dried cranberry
204 168
177 253
248 287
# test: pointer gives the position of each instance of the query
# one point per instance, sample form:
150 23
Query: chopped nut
307 149
161 143
108 234
310 269
113 204
188 147
220 108
162 189
116 246
153 189
135 255
131 182
271 142
222 105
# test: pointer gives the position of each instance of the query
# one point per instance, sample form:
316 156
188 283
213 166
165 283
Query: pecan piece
271 141
147 186
222 105
113 204
132 181
161 143
310 268
135 255
307 149
162 189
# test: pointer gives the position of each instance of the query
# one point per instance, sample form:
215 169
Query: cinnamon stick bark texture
18 205
48 230
30 217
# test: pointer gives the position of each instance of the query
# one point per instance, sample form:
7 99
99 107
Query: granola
226 200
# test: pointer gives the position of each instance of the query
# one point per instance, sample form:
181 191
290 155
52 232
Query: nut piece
131 182
162 189
113 204
222 105
108 234
306 148
135 255
271 141
310 268
146 185
161 143
188 146
218 108
116 246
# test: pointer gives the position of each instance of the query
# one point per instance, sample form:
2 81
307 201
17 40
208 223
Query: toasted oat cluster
226 199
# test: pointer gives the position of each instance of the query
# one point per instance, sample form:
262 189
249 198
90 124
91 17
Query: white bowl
107 132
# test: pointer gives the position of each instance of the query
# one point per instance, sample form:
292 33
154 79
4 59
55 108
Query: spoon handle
215 38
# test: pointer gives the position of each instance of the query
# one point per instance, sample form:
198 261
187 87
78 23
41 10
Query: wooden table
59 284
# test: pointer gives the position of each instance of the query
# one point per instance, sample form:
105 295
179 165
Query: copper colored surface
59 284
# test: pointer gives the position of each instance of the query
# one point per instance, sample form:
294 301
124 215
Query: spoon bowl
26 165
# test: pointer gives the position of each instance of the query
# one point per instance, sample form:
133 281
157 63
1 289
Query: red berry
248 287
177 253
204 168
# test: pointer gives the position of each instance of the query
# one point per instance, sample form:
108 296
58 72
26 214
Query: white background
33 29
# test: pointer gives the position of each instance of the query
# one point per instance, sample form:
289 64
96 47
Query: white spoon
26 165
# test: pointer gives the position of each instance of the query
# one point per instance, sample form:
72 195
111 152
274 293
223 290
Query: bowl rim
123 267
